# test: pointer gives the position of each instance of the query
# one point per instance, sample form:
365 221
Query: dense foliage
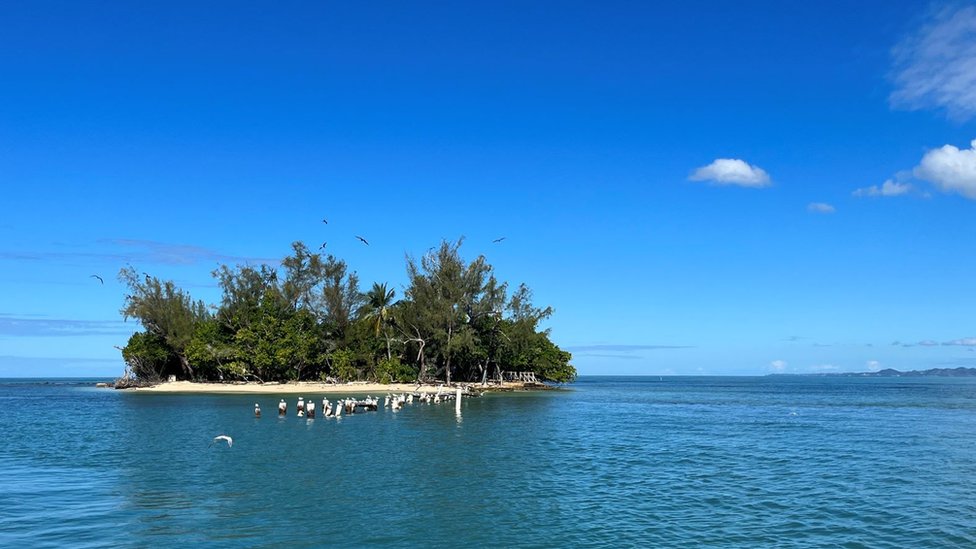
308 320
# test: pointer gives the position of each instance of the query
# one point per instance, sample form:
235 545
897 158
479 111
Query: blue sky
696 188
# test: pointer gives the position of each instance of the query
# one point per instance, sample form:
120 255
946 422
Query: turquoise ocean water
615 461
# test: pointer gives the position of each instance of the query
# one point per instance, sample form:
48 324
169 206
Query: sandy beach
309 387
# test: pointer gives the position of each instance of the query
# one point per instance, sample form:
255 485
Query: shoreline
298 387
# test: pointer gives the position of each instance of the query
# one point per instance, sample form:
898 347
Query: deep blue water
672 462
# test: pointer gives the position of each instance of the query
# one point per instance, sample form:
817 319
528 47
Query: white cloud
928 343
873 365
732 171
777 365
965 342
950 169
821 207
888 188
823 368
936 66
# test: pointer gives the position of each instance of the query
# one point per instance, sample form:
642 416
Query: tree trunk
423 363
185 365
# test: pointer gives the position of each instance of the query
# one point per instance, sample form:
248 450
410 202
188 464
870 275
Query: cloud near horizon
935 67
951 169
778 365
621 348
732 171
29 326
963 342
607 355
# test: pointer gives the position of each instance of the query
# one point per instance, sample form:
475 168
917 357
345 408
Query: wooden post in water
311 409
457 402
257 410
282 408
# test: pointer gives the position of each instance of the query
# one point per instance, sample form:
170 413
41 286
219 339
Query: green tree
526 347
149 358
340 296
343 365
391 370
448 289
308 319
304 274
245 290
210 350
164 311
377 310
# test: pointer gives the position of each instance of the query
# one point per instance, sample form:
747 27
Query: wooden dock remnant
524 377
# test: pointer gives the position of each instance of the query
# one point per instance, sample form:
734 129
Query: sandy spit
306 387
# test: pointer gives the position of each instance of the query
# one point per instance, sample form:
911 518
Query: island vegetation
307 319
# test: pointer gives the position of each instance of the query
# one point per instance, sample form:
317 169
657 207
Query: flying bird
363 239
497 240
218 438
98 277
326 221
322 247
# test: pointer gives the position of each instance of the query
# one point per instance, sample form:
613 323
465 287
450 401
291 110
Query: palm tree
379 299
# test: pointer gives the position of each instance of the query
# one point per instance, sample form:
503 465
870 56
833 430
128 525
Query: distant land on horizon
889 372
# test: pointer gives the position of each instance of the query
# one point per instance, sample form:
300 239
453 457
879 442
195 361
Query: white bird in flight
230 441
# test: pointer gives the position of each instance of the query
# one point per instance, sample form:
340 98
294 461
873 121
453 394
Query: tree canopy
308 320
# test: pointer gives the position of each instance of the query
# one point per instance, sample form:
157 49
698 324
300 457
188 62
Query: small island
306 322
